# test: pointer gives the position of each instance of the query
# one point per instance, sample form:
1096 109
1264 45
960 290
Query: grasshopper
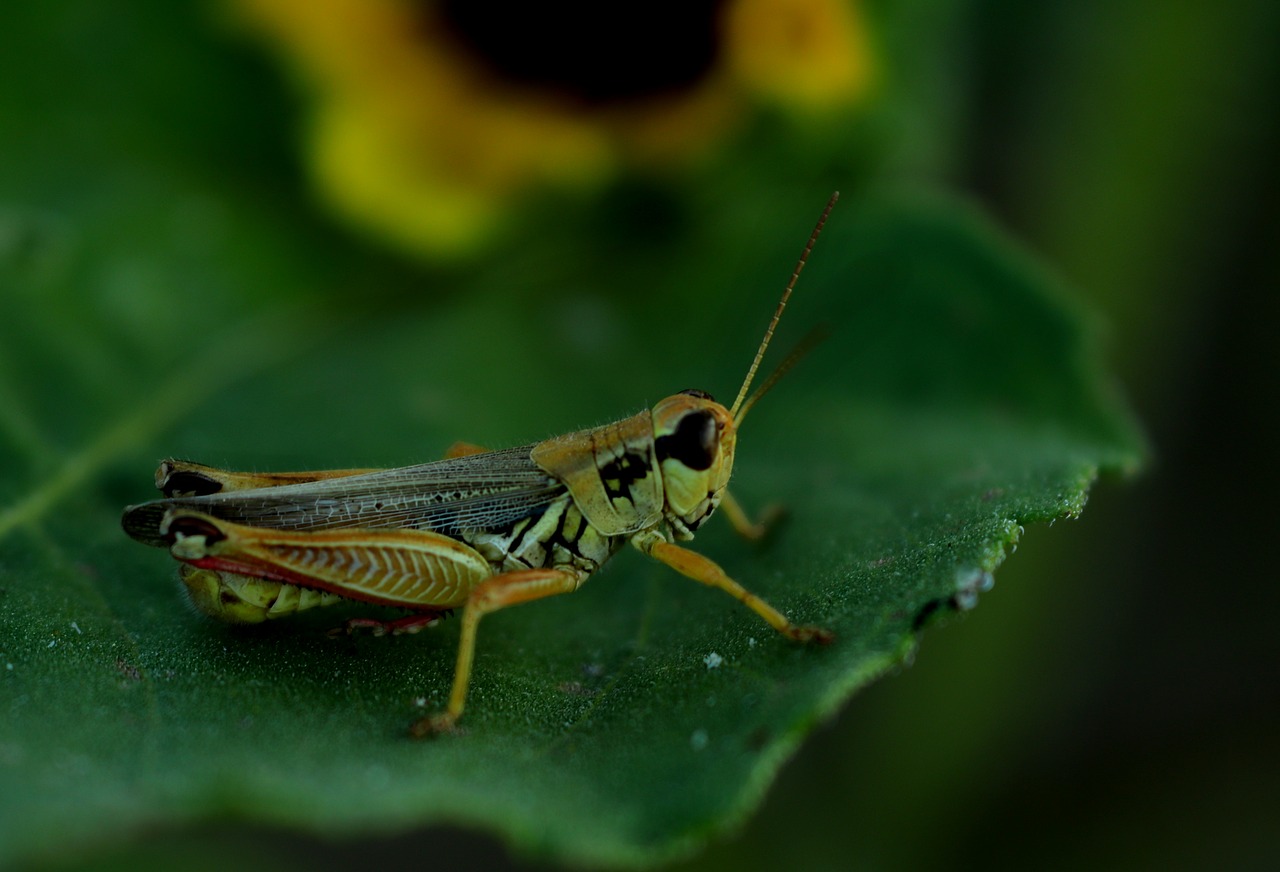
479 530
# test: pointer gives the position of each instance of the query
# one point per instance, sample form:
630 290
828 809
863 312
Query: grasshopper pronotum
479 530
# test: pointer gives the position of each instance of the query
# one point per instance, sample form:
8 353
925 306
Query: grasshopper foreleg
699 568
496 593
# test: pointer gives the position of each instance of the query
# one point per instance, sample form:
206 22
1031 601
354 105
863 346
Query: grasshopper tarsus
771 519
433 726
809 633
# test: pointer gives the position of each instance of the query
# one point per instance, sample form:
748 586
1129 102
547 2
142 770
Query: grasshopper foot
432 726
769 520
810 634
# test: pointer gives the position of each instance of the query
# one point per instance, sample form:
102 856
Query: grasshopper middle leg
693 565
499 592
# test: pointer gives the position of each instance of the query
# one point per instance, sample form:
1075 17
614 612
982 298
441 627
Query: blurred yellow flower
429 118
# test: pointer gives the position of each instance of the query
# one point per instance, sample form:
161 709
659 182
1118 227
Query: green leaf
954 404
150 312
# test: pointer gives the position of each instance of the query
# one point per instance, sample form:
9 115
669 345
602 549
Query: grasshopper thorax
694 438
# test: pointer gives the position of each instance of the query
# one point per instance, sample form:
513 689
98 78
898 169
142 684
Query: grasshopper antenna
777 314
816 335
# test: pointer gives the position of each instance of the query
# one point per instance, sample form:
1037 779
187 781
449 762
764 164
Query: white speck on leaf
713 660
76 627
970 583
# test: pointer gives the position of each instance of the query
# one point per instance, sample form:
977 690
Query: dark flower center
598 53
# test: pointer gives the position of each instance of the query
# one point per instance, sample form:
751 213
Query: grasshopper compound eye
694 442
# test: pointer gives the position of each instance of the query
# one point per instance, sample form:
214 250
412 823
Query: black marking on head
693 443
702 395
697 522
619 475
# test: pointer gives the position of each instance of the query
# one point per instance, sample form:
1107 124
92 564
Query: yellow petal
804 53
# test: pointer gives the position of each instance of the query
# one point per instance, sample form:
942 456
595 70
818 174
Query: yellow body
243 599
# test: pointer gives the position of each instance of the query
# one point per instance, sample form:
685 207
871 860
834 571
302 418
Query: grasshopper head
694 439
695 436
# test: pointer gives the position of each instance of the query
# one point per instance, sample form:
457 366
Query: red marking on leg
253 570
399 626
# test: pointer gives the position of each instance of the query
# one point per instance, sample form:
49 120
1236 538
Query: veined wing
487 491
